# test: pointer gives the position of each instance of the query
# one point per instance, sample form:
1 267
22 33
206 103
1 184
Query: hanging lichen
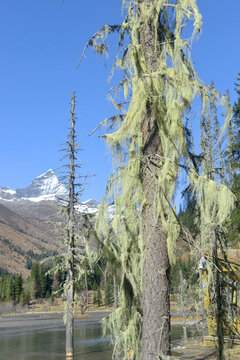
169 91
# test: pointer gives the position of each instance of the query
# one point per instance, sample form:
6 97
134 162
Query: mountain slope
22 238
28 218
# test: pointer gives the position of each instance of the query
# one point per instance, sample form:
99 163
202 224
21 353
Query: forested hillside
23 239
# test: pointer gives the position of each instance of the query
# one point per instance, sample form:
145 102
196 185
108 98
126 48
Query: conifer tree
228 154
36 281
18 287
99 297
75 188
233 159
11 288
70 232
218 141
109 288
7 289
235 148
149 145
212 235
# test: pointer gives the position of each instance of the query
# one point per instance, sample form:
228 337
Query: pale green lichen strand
170 91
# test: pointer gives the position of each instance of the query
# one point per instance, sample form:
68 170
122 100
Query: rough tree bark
217 297
70 237
156 304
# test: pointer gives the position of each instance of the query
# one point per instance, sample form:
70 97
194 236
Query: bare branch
121 116
104 29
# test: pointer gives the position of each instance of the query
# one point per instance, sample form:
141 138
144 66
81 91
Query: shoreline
12 325
175 321
44 321
107 310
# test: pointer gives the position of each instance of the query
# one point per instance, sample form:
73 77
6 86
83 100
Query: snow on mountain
44 187
7 190
47 187
7 194
88 207
91 202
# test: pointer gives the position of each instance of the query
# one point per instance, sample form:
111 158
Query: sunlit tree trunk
209 138
217 301
70 238
156 304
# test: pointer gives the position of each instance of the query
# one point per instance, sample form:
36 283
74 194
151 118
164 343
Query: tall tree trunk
156 304
69 310
217 298
70 237
217 136
230 157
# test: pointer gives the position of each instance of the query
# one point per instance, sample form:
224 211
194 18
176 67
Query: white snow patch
48 171
41 198
82 208
9 191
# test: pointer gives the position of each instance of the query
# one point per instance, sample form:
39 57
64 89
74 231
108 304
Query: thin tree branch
105 121
103 29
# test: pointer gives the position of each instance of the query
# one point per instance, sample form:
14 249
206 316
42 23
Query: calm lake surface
42 337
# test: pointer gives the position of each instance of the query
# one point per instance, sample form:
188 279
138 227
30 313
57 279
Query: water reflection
48 343
192 331
35 337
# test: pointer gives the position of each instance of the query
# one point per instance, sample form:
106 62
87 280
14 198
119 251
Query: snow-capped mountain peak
44 187
46 184
49 172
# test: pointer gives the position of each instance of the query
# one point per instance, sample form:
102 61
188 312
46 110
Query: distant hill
23 238
28 221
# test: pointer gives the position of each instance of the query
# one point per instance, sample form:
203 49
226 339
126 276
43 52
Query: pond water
192 331
42 337
32 337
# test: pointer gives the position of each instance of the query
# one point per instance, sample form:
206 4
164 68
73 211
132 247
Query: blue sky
41 43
